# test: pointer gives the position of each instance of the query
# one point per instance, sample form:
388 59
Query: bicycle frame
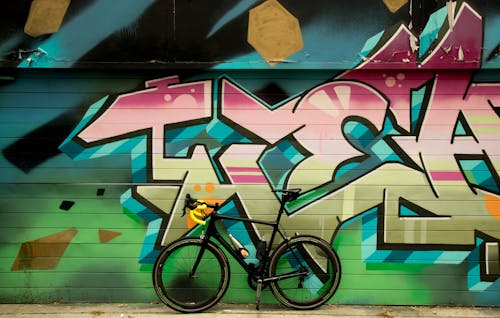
257 273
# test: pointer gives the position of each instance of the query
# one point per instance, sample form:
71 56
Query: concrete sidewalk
73 310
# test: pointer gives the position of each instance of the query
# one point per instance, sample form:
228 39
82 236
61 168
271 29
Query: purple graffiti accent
248 179
458 48
446 176
404 71
246 175
396 53
461 45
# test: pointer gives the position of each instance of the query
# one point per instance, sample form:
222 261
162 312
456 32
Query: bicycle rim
322 267
175 285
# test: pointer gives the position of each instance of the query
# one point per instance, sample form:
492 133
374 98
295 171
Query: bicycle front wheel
186 291
309 269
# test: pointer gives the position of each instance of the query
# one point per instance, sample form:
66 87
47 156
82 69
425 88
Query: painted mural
397 156
160 34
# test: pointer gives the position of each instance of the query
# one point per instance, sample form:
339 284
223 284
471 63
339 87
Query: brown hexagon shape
45 16
394 5
274 32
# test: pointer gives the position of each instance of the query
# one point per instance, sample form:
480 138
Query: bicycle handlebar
198 214
196 208
191 203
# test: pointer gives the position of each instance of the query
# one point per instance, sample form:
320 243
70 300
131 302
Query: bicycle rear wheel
175 284
319 264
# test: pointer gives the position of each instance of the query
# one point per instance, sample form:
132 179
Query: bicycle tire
172 280
310 254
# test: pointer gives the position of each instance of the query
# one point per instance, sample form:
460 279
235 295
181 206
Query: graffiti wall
397 157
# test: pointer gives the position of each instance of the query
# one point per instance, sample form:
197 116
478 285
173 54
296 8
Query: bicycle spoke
321 273
179 288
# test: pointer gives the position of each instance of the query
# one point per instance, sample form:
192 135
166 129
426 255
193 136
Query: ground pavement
94 310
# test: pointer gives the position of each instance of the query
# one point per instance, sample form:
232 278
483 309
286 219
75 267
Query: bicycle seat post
283 200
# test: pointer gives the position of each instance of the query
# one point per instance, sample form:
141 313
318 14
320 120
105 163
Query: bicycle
192 274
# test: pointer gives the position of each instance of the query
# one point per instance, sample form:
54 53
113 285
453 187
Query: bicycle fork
199 257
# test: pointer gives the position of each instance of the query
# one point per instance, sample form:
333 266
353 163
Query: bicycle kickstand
259 290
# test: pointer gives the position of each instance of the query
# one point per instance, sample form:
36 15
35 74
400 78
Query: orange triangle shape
106 235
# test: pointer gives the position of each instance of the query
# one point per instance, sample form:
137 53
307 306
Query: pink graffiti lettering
315 119
162 102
